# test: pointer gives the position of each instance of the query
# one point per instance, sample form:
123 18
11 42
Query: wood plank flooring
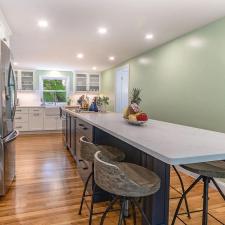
47 189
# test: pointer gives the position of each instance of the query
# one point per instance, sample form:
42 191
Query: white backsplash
33 98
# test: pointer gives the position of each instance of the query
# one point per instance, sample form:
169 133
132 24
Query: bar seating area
126 182
87 152
207 172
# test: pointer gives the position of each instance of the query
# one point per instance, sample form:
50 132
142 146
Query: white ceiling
73 29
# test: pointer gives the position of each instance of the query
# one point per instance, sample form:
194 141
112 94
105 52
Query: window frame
53 77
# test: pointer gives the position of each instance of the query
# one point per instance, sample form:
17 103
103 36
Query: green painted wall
182 81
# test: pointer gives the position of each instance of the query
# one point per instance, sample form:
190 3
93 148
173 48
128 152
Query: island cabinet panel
156 207
83 129
70 134
68 131
84 167
73 136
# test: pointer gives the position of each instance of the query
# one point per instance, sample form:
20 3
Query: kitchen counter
156 146
171 143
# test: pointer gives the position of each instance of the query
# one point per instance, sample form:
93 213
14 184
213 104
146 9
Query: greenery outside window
54 90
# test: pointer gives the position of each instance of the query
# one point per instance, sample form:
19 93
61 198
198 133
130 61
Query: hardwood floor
48 188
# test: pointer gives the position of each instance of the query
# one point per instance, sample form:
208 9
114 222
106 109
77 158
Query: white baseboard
219 182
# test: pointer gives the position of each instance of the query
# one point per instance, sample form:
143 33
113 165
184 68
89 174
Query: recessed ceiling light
94 68
111 58
15 63
80 55
43 23
149 36
102 30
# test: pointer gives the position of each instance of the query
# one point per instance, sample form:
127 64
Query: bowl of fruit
133 113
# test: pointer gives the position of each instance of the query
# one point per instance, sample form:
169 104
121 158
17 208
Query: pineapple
135 100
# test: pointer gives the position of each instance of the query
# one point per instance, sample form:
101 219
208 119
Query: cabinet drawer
85 128
19 117
36 110
21 110
21 126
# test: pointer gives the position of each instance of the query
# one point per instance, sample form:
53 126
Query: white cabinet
21 119
36 121
94 82
87 82
51 119
24 80
59 123
50 123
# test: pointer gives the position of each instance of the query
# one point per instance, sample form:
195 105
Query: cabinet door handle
81 125
18 118
85 128
36 114
18 127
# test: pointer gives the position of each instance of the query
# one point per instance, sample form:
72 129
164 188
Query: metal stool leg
141 211
84 192
92 205
133 212
121 217
182 198
206 181
108 209
218 188
183 190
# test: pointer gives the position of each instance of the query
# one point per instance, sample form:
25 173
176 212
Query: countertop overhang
171 143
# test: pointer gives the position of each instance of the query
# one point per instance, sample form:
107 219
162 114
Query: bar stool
183 190
87 152
207 171
126 182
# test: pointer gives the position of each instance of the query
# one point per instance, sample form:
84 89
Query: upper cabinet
87 82
24 80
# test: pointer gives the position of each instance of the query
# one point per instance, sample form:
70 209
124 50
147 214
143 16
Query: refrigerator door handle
11 137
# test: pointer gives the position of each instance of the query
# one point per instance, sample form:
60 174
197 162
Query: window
54 90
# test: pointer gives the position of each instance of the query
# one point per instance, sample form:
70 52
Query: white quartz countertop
172 143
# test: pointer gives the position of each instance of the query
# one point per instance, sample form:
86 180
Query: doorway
122 88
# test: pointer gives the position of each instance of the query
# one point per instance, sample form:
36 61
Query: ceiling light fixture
43 23
80 55
102 30
149 36
94 68
15 63
111 58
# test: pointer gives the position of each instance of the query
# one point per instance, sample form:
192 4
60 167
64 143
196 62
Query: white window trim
52 77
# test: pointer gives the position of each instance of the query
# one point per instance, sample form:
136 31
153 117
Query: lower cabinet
37 119
83 129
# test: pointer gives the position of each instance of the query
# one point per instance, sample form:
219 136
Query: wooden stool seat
214 169
126 181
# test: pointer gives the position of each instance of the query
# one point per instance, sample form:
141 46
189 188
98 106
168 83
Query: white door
122 87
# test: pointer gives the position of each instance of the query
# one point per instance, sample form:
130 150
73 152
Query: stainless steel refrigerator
7 113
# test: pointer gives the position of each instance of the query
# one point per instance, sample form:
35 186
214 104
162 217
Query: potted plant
102 103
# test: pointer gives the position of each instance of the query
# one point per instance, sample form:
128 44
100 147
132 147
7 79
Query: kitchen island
156 146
